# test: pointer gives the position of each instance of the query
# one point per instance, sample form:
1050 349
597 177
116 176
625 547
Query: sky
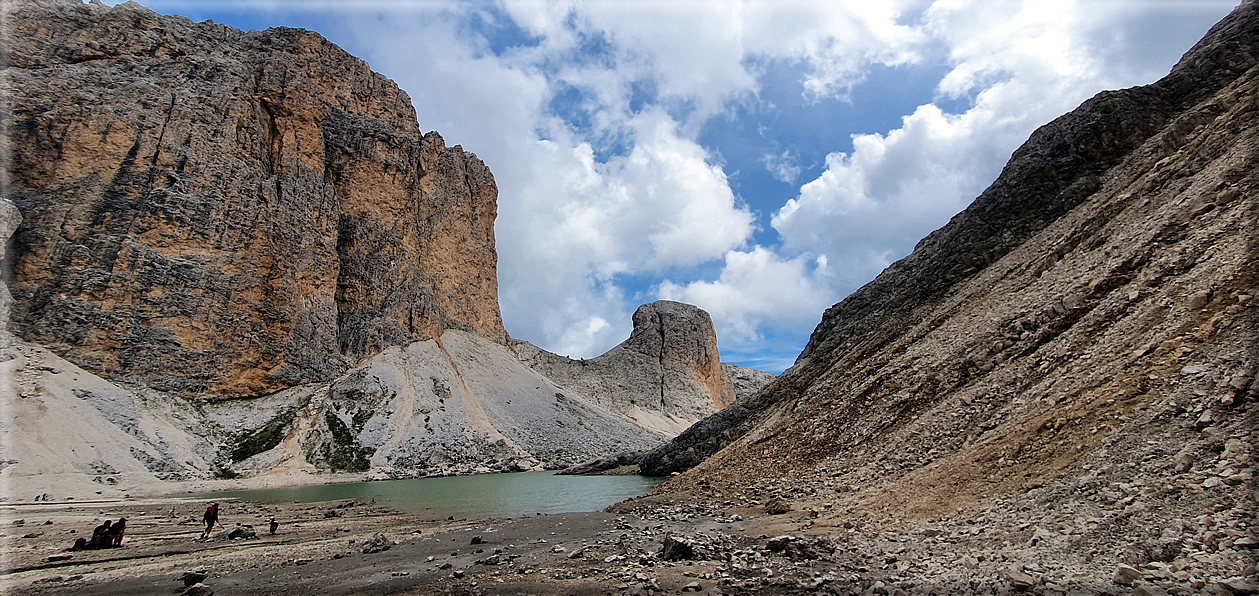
760 159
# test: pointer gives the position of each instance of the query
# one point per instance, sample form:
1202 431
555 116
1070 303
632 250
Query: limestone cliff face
666 376
219 213
1095 299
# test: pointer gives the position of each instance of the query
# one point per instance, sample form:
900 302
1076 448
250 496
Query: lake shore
709 540
319 548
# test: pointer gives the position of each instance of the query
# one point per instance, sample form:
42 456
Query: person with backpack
210 518
100 536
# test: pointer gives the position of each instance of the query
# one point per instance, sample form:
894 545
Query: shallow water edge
477 496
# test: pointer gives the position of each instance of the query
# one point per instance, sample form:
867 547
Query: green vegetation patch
265 438
343 453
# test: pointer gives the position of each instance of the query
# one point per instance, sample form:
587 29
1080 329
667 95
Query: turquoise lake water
480 496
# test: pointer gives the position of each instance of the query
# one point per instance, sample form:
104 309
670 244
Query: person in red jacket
210 518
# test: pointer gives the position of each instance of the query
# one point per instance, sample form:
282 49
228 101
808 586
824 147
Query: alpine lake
479 496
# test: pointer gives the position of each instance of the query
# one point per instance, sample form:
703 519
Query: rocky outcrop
1097 296
747 381
665 377
1054 393
219 213
460 400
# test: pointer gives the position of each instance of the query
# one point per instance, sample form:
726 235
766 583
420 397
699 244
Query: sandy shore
319 548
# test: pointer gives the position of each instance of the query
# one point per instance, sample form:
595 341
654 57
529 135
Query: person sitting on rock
100 536
114 537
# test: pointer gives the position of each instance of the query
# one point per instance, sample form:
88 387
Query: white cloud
1023 65
782 166
868 208
756 289
838 40
573 223
698 52
571 220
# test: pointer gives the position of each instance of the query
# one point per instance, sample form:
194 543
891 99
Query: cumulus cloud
1020 65
757 289
633 193
838 41
703 53
576 223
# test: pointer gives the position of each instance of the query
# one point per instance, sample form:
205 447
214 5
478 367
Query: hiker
210 518
114 538
100 536
274 525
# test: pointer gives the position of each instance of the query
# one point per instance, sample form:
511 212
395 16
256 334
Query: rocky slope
457 405
1058 382
235 254
665 377
1130 215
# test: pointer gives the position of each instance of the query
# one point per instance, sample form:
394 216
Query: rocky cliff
665 377
747 381
219 213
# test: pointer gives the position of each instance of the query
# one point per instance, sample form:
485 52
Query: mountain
1087 322
234 254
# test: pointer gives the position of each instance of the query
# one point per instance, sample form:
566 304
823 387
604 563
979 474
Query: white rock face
455 405
457 401
67 432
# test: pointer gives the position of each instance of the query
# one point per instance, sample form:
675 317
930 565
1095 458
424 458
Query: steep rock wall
219 213
747 381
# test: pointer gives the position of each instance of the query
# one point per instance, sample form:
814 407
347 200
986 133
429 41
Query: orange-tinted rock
220 213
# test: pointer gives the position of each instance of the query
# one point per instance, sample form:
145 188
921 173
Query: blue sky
759 159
